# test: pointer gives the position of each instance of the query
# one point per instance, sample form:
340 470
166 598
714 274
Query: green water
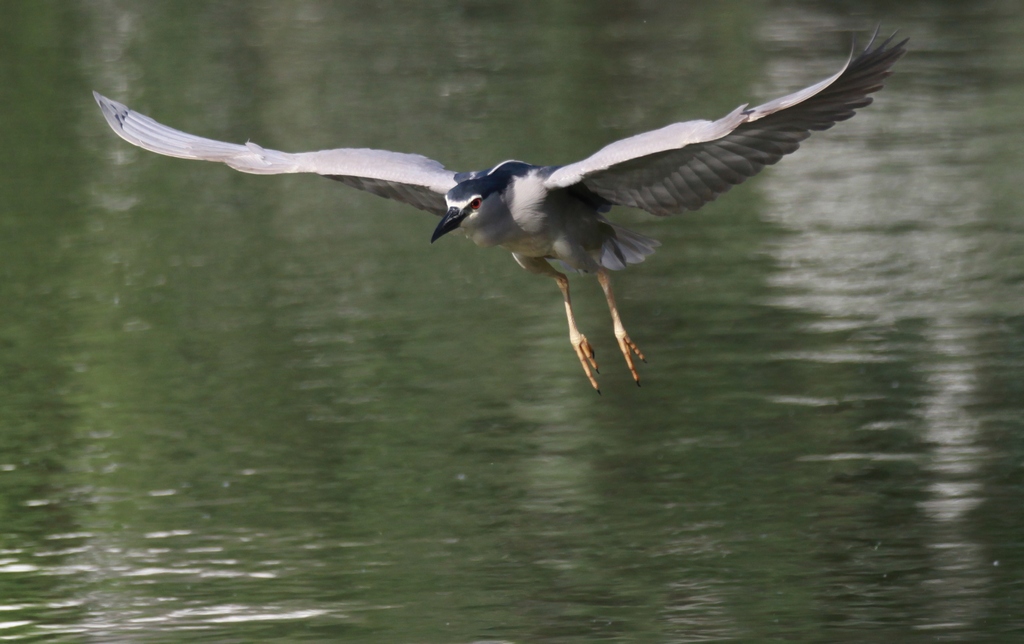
238 408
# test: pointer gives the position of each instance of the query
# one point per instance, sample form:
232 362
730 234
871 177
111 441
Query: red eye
475 204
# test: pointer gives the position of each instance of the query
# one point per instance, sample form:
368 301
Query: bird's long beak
448 223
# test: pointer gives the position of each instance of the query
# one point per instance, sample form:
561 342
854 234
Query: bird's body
519 213
557 213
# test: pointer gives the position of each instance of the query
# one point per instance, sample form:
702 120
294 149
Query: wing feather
409 178
685 165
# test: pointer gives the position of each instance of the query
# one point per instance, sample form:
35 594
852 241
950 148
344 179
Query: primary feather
685 165
409 178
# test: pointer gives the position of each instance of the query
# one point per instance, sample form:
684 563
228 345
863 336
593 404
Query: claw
628 348
585 353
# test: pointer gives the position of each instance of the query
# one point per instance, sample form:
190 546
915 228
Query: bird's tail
626 247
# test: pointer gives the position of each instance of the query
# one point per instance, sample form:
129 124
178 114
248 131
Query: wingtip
874 35
885 44
102 100
112 111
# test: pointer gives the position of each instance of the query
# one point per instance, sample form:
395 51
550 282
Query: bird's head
465 201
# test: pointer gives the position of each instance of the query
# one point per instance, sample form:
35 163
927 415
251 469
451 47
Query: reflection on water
885 244
250 408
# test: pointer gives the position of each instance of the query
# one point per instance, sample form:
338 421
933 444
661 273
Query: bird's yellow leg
579 342
627 346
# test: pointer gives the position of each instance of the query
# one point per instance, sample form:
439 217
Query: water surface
240 408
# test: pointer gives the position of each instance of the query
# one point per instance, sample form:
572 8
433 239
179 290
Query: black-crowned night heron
556 213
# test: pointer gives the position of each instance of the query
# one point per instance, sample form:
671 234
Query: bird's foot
585 353
628 348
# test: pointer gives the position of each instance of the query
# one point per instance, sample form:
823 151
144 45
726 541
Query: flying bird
553 217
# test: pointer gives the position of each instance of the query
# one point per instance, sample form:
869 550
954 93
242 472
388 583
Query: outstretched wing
685 165
409 178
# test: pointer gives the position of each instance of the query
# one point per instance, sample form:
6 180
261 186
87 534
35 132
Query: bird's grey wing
409 178
685 165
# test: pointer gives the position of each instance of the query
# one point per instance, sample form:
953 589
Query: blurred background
241 408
